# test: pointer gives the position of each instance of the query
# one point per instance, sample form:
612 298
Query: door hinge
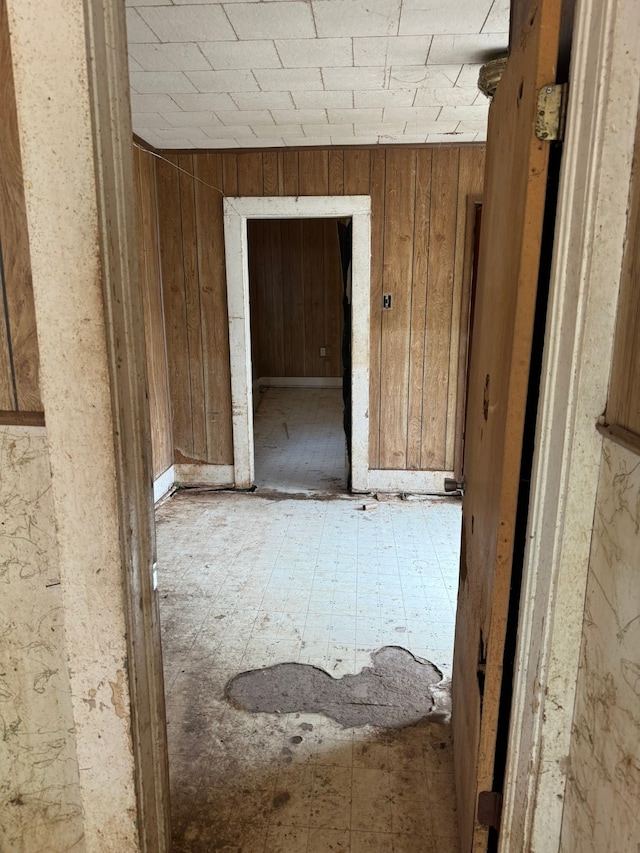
551 112
490 808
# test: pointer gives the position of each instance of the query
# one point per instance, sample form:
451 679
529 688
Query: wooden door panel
514 200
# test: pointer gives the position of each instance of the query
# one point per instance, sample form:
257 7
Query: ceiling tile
182 119
188 23
434 16
137 29
169 82
401 50
443 97
202 103
223 81
245 55
141 120
169 57
353 78
286 79
262 100
386 128
451 138
472 113
498 18
263 131
179 133
231 131
429 76
356 17
422 115
252 117
326 131
384 98
468 77
368 116
321 100
152 103
302 116
467 48
271 20
151 2
312 53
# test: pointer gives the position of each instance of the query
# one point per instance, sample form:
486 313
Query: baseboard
417 482
204 475
163 483
300 382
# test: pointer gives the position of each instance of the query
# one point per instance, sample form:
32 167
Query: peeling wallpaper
39 794
602 810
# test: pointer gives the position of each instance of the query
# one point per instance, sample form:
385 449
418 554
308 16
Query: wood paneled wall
151 283
419 204
19 387
295 294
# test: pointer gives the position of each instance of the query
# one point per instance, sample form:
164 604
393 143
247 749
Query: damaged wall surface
40 805
603 788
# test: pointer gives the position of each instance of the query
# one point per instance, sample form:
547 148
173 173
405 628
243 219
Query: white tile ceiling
273 73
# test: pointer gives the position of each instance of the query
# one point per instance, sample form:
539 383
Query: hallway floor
250 580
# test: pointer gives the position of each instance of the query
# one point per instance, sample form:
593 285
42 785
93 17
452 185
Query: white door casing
236 213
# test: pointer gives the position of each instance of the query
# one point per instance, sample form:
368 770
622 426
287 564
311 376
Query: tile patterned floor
299 440
249 580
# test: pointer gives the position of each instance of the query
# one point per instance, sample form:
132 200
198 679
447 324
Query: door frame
588 253
237 211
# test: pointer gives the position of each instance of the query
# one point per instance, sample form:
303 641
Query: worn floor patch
398 690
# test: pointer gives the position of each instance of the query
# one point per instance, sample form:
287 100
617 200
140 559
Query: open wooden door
514 201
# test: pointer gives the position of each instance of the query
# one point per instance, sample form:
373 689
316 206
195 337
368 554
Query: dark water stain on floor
398 690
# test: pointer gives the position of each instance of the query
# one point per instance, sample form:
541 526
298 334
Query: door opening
300 344
238 212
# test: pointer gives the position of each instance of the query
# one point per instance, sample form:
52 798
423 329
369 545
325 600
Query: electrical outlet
323 350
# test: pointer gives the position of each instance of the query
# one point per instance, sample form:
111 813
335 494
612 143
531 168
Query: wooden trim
624 437
32 419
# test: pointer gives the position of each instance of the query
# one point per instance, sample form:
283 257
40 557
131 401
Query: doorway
300 353
237 213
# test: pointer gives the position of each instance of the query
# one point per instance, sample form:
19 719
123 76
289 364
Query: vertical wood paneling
419 199
175 308
192 307
313 171
357 168
19 358
421 242
396 322
336 171
213 307
151 284
378 215
296 333
295 283
442 241
270 173
290 171
250 181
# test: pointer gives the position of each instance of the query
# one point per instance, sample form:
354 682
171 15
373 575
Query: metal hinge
551 112
490 808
